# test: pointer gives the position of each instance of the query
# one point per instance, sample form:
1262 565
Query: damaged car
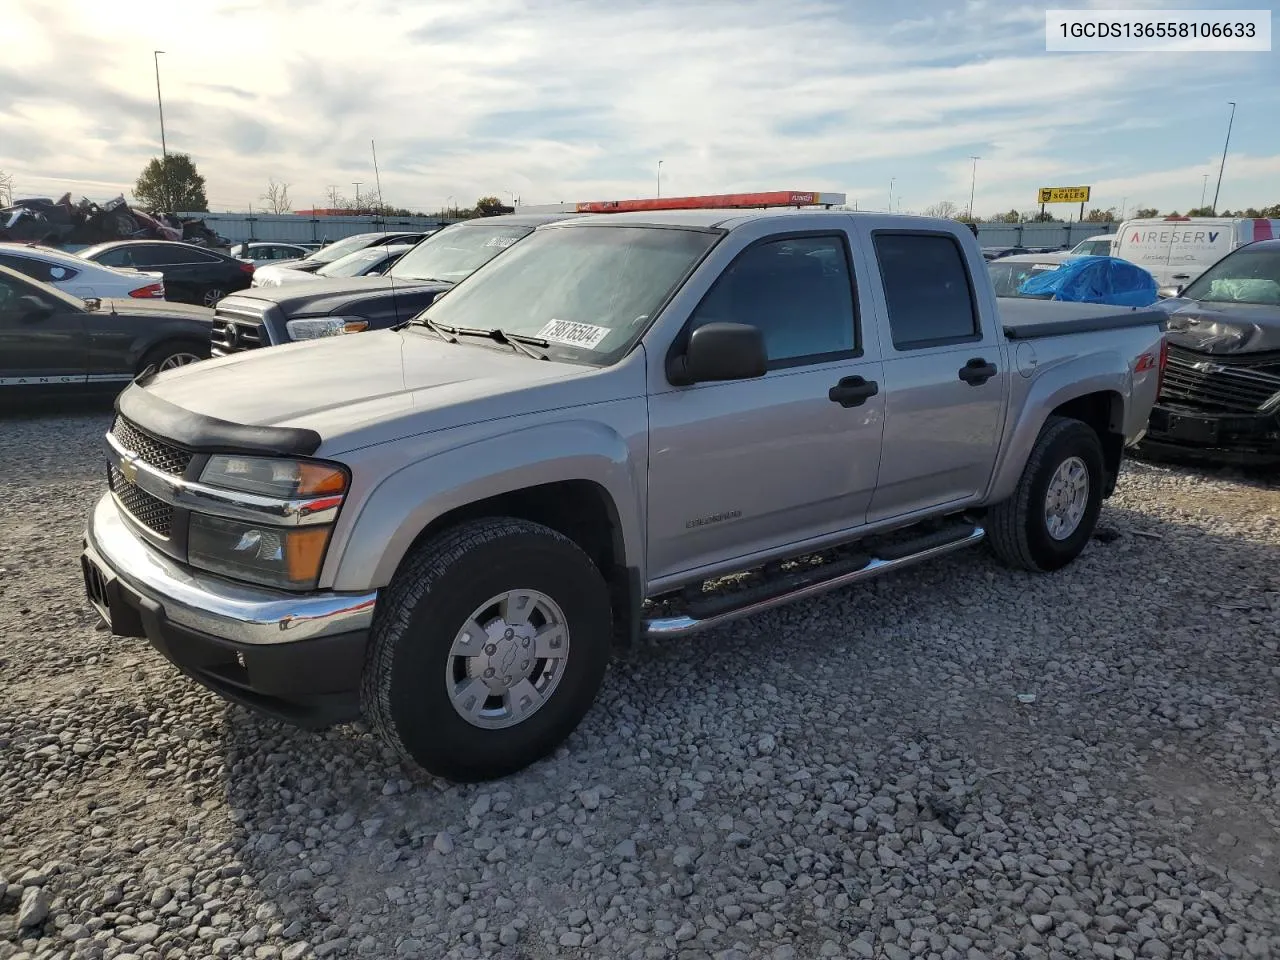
1220 397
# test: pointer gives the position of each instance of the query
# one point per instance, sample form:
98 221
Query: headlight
271 477
313 327
298 500
273 556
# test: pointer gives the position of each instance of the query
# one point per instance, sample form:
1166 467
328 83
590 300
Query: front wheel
170 356
488 649
1052 513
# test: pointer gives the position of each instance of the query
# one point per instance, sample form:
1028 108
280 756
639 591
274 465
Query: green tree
488 206
1013 216
1146 213
1045 217
1101 216
1200 212
171 184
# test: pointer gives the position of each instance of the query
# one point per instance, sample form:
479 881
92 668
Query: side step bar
686 625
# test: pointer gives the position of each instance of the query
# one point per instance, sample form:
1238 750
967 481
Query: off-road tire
403 691
1017 529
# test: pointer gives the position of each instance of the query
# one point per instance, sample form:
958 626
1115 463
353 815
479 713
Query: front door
743 467
42 342
942 373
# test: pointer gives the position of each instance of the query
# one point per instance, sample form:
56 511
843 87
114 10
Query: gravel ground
956 762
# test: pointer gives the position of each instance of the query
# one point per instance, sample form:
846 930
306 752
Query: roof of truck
729 219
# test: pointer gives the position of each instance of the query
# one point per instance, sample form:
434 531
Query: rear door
943 380
742 467
44 350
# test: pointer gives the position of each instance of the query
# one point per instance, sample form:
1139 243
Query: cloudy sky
562 100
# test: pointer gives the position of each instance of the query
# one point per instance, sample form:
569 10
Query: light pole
659 178
891 180
1203 189
164 146
356 184
973 179
448 203
1214 211
1124 205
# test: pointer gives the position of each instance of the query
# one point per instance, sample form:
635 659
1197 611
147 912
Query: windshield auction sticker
575 334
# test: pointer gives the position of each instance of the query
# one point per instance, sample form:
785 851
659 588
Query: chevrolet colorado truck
631 424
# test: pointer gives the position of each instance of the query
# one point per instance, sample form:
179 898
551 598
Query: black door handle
853 391
977 372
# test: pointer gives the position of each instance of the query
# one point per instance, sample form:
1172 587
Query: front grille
154 514
155 453
1220 383
236 328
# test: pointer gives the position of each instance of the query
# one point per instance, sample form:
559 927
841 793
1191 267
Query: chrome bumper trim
218 607
231 504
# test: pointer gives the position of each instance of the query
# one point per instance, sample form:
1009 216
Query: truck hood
324 297
1223 328
369 387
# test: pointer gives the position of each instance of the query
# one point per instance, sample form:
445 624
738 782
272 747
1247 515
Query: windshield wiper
518 341
439 329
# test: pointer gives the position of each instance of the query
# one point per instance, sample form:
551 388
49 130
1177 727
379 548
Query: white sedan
79 277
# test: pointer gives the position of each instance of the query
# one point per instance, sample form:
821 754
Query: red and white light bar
718 201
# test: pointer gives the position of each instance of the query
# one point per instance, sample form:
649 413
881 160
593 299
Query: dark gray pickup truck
269 316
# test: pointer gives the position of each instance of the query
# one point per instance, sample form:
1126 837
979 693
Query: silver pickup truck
633 424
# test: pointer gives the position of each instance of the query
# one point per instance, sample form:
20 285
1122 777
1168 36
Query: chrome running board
687 624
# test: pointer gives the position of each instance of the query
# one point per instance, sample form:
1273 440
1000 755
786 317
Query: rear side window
927 290
797 291
38 269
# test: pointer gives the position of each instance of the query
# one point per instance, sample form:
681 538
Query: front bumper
296 657
1223 438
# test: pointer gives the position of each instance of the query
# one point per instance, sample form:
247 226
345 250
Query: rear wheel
488 649
212 295
1052 513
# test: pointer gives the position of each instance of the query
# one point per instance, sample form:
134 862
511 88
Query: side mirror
720 351
1166 293
33 308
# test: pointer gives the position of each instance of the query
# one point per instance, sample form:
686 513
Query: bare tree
943 208
6 188
277 197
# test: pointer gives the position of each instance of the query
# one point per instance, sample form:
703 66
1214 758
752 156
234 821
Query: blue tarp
1095 280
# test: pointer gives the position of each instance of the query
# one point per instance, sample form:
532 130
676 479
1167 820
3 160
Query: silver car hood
371 387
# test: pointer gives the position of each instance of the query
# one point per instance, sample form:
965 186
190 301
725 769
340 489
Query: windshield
1246 276
1092 248
454 253
353 264
588 290
1007 277
340 248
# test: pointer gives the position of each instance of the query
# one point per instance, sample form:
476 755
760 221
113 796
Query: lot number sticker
500 242
576 334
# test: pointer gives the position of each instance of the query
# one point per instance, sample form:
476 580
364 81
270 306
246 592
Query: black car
191 274
1220 396
53 344
359 241
267 316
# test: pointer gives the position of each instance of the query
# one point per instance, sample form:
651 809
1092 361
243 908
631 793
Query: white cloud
570 99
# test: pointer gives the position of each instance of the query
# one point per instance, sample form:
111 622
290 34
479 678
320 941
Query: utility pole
333 196
1203 189
1214 212
376 175
356 184
973 179
891 179
659 178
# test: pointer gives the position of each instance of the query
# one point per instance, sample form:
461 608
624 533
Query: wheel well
1104 411
197 346
585 513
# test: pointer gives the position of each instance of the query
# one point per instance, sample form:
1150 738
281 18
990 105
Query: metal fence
1040 234
239 227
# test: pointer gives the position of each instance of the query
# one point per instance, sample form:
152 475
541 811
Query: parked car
446 526
1096 246
79 277
1176 250
267 316
191 274
264 252
370 262
1008 274
52 343
337 250
1068 276
996 253
1221 394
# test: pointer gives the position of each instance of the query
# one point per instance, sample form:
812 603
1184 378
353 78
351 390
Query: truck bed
1028 319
